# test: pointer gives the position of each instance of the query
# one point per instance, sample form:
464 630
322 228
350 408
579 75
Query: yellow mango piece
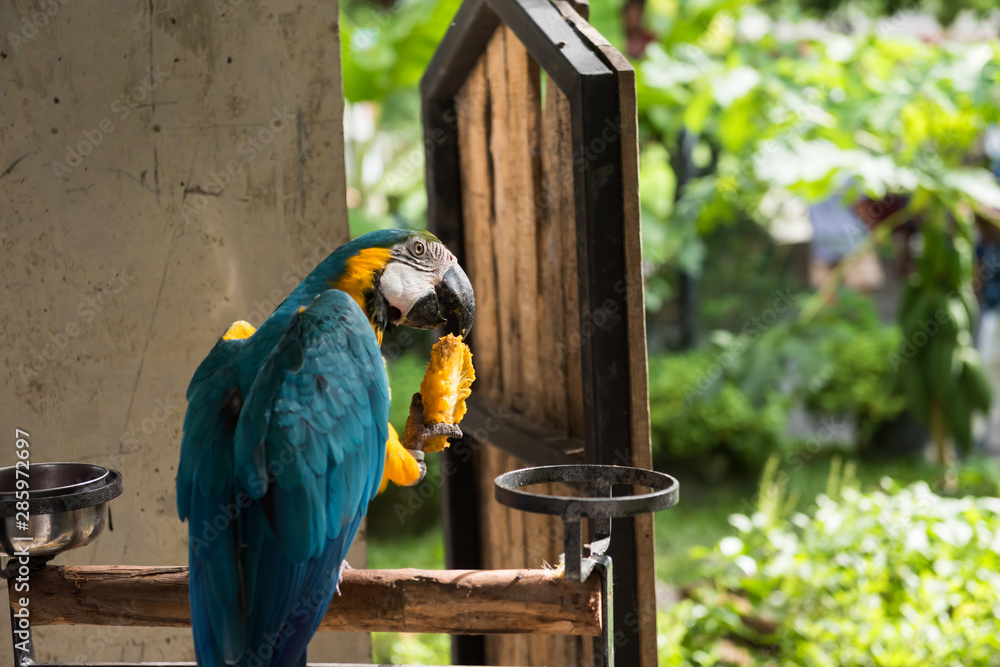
446 384
400 466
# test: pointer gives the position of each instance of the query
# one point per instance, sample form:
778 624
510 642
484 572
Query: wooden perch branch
448 601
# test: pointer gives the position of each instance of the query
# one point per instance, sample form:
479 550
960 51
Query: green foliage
877 114
733 396
404 512
900 576
979 475
857 378
392 648
406 372
695 412
939 366
386 48
888 114
945 11
426 552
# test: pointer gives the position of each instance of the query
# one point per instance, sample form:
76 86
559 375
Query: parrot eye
418 248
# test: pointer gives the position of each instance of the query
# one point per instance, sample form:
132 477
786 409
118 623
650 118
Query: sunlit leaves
387 48
895 577
878 113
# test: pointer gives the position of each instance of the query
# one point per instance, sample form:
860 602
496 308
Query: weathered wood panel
518 205
537 182
504 207
474 113
521 153
556 202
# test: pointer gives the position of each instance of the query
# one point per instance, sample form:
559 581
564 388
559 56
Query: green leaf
978 184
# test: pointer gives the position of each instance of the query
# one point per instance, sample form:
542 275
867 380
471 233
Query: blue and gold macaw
285 442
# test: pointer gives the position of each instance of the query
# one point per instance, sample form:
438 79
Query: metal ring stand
601 506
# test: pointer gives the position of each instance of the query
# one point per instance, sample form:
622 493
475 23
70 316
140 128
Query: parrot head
424 287
407 278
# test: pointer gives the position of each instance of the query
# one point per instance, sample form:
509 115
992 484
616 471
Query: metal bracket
600 507
604 646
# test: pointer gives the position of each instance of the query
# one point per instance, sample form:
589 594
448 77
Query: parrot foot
417 432
344 565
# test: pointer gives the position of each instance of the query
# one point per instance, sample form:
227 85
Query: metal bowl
67 507
48 480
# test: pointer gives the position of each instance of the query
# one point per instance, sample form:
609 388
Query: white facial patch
402 286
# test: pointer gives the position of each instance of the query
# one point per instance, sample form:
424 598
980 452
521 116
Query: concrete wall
166 167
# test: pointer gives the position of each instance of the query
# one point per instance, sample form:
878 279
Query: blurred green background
824 463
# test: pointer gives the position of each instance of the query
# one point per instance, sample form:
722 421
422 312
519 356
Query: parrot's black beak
457 301
452 303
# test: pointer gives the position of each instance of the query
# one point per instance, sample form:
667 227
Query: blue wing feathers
308 448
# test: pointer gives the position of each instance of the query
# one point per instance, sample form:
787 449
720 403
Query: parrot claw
418 456
417 432
344 565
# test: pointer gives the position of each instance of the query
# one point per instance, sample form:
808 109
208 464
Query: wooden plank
556 192
571 271
521 437
518 646
504 209
496 536
448 69
542 545
540 534
473 109
452 601
493 528
521 186
642 452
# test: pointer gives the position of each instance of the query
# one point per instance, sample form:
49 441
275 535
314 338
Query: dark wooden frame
590 82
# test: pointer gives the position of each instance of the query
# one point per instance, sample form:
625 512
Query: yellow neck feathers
238 331
357 279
